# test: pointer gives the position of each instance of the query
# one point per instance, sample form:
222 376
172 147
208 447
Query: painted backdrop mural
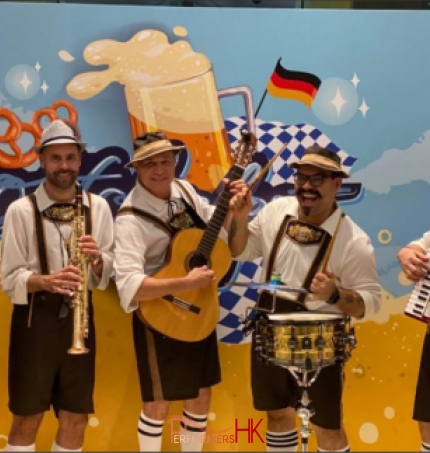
202 75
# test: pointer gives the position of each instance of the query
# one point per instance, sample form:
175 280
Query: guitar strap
127 210
185 192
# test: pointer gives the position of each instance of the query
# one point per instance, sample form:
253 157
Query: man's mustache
60 173
300 192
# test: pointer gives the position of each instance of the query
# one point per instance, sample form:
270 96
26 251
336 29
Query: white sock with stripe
347 448
287 441
193 429
56 447
425 447
149 433
10 447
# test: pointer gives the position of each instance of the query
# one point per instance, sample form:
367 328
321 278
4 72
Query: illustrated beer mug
188 110
168 87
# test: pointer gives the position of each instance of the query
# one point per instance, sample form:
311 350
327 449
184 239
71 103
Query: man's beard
63 184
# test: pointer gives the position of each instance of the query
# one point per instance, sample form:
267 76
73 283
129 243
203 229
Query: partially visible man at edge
414 261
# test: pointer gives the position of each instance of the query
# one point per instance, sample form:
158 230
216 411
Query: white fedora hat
59 133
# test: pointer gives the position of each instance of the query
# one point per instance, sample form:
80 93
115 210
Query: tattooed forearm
351 303
233 230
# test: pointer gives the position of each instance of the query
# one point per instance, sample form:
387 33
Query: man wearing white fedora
40 273
169 369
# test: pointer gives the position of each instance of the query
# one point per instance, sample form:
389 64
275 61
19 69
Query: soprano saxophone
79 298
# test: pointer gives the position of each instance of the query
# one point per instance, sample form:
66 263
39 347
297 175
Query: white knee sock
347 448
56 447
10 447
425 447
149 433
193 428
287 441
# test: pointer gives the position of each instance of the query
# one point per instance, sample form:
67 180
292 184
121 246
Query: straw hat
151 144
321 158
58 133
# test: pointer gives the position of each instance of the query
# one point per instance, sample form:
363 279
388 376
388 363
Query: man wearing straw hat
40 277
309 243
169 369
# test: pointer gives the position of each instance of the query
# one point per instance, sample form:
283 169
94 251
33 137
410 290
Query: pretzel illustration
15 128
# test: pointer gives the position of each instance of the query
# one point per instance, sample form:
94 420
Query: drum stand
305 410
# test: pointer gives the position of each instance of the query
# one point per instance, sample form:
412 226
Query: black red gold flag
295 85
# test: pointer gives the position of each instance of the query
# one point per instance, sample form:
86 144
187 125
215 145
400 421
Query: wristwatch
334 298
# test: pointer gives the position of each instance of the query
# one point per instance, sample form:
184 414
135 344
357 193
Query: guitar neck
214 226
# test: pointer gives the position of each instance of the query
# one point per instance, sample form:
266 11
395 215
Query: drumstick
265 168
330 246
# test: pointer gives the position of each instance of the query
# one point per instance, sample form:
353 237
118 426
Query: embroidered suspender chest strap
40 231
127 210
315 264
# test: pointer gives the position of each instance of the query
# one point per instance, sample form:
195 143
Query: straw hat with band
321 158
59 133
151 144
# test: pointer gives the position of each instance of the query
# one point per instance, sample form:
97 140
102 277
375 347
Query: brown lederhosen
41 372
421 411
273 387
169 369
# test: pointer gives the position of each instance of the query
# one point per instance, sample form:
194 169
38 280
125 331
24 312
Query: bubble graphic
22 81
336 101
389 412
368 433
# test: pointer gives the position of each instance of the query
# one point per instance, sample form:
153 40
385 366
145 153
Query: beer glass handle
245 92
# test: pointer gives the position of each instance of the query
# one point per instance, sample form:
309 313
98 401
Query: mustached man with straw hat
309 243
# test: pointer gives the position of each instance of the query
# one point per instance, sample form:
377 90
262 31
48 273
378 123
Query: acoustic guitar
192 315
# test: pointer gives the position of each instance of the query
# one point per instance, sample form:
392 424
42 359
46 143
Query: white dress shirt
352 258
140 247
20 257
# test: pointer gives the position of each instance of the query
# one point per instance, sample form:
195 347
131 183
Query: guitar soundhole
197 260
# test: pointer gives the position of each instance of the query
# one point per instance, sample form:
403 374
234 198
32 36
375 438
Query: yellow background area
379 391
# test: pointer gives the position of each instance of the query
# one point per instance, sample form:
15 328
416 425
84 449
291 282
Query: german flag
296 85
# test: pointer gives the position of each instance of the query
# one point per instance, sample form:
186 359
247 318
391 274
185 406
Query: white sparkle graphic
355 80
37 66
44 87
338 102
25 82
364 108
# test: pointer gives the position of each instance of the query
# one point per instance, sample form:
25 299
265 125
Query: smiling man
297 236
156 209
41 276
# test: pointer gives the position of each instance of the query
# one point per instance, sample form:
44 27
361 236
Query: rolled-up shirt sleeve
359 273
129 261
105 239
15 269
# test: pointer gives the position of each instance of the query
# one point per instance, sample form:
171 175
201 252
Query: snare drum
306 340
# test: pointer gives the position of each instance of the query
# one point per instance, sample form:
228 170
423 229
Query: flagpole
261 103
264 94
